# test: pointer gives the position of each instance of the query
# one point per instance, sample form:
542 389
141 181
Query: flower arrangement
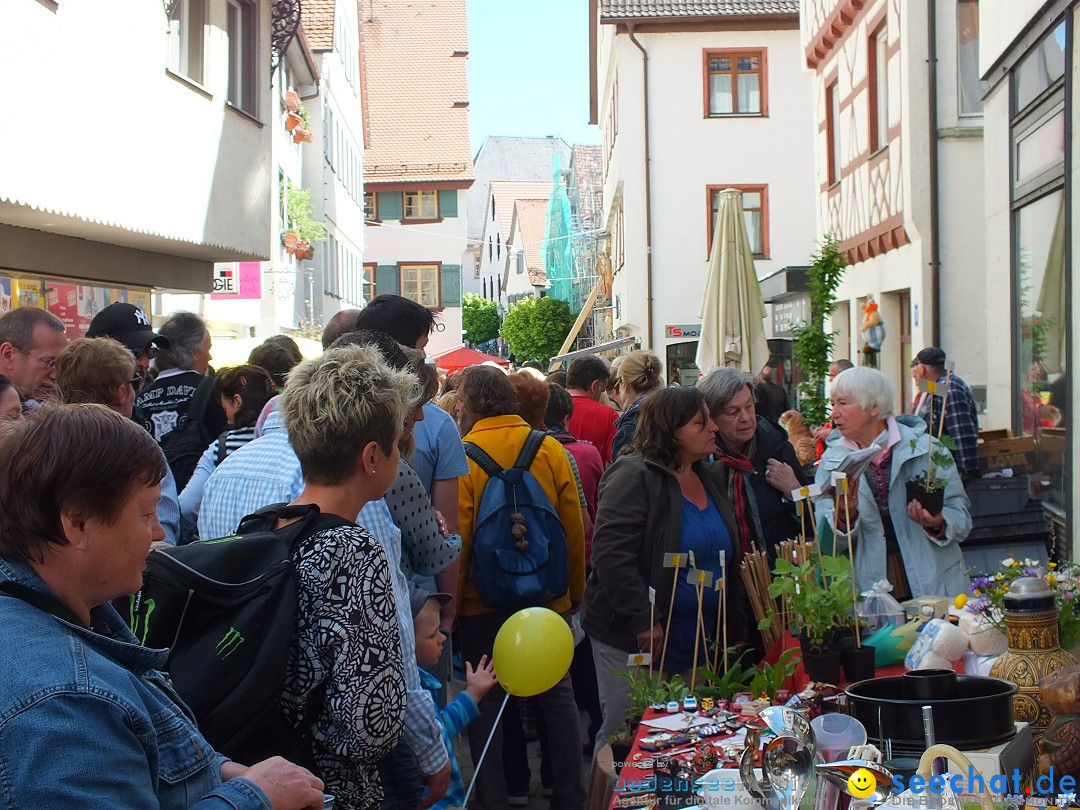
986 595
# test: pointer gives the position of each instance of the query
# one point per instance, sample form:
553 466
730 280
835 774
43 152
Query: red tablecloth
632 779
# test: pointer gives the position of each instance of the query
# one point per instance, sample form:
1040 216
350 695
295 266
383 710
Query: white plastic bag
878 608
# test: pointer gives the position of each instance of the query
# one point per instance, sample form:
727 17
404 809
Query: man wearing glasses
129 325
30 339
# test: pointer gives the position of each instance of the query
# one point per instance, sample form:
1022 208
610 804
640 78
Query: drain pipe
935 222
648 191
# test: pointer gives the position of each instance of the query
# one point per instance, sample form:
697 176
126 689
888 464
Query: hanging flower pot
292 121
309 136
300 134
292 100
304 251
290 239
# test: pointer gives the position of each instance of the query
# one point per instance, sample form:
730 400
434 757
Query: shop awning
599 348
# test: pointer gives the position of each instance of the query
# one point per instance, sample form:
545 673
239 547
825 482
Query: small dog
799 436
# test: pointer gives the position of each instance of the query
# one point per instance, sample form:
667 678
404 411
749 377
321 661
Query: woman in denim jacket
86 718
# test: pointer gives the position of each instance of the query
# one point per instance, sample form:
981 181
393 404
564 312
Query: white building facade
898 155
693 98
102 201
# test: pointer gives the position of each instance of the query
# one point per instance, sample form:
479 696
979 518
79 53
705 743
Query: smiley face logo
861 783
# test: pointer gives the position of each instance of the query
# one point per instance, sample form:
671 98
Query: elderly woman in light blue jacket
918 552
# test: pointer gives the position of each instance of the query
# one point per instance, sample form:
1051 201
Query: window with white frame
187 28
420 283
243 32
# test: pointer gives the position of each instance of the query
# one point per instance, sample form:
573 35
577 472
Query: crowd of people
127 440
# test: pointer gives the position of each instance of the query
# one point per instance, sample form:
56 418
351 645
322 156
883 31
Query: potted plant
735 679
292 100
645 690
770 678
818 593
299 134
300 220
304 250
929 490
292 121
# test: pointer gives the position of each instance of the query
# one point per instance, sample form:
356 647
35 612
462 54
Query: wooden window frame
370 268
419 194
618 257
763 80
438 281
374 209
879 136
759 188
832 133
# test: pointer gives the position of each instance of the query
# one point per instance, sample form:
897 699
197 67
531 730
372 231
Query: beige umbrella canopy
732 313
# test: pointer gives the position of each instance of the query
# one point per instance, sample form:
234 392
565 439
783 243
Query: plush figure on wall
873 332
1060 693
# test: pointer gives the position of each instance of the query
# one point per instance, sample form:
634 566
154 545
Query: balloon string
479 762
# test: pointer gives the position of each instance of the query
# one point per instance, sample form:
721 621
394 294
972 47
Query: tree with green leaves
535 328
479 318
813 345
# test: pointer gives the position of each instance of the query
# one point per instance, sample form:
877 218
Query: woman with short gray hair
761 468
918 552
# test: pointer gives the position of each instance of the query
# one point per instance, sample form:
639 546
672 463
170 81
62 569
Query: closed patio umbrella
732 313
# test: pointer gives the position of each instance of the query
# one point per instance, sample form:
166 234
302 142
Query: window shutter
390 205
448 202
386 278
451 285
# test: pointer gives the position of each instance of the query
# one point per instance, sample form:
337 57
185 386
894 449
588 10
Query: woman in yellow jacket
488 419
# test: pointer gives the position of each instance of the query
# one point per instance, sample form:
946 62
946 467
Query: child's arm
464 708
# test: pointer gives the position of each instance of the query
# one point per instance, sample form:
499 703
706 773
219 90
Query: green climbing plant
813 344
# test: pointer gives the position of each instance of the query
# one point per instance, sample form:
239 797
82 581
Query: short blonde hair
90 370
867 386
337 404
640 370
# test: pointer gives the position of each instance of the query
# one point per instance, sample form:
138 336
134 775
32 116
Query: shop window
968 84
735 83
187 27
755 216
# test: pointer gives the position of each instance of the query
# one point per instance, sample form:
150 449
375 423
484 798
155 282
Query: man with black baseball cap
961 413
129 325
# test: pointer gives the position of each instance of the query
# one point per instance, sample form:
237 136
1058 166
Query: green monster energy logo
230 643
135 613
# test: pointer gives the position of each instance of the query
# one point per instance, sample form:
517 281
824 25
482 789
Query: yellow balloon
533 650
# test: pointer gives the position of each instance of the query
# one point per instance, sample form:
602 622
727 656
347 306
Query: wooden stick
930 422
944 402
652 624
723 602
719 605
693 672
851 563
671 609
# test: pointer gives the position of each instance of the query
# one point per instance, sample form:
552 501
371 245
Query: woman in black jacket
761 468
660 499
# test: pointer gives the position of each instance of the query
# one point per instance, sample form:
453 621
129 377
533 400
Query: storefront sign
789 313
682 330
237 280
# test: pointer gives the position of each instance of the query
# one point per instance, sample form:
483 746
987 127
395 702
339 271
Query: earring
372 470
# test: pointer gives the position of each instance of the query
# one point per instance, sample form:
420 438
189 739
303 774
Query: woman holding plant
660 500
894 537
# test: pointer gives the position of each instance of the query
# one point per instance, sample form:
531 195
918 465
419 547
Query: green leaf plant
818 594
940 457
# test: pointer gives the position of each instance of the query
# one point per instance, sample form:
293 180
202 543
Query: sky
529 70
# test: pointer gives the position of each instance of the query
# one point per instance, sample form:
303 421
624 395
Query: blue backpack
520 556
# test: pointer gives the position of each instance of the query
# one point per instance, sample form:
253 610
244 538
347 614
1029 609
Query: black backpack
519 549
226 609
184 445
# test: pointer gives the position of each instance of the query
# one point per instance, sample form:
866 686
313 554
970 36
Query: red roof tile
639 9
317 17
416 91
507 192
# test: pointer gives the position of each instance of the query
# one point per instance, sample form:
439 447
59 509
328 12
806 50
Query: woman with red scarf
761 468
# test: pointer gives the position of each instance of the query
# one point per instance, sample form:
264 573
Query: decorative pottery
1031 616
